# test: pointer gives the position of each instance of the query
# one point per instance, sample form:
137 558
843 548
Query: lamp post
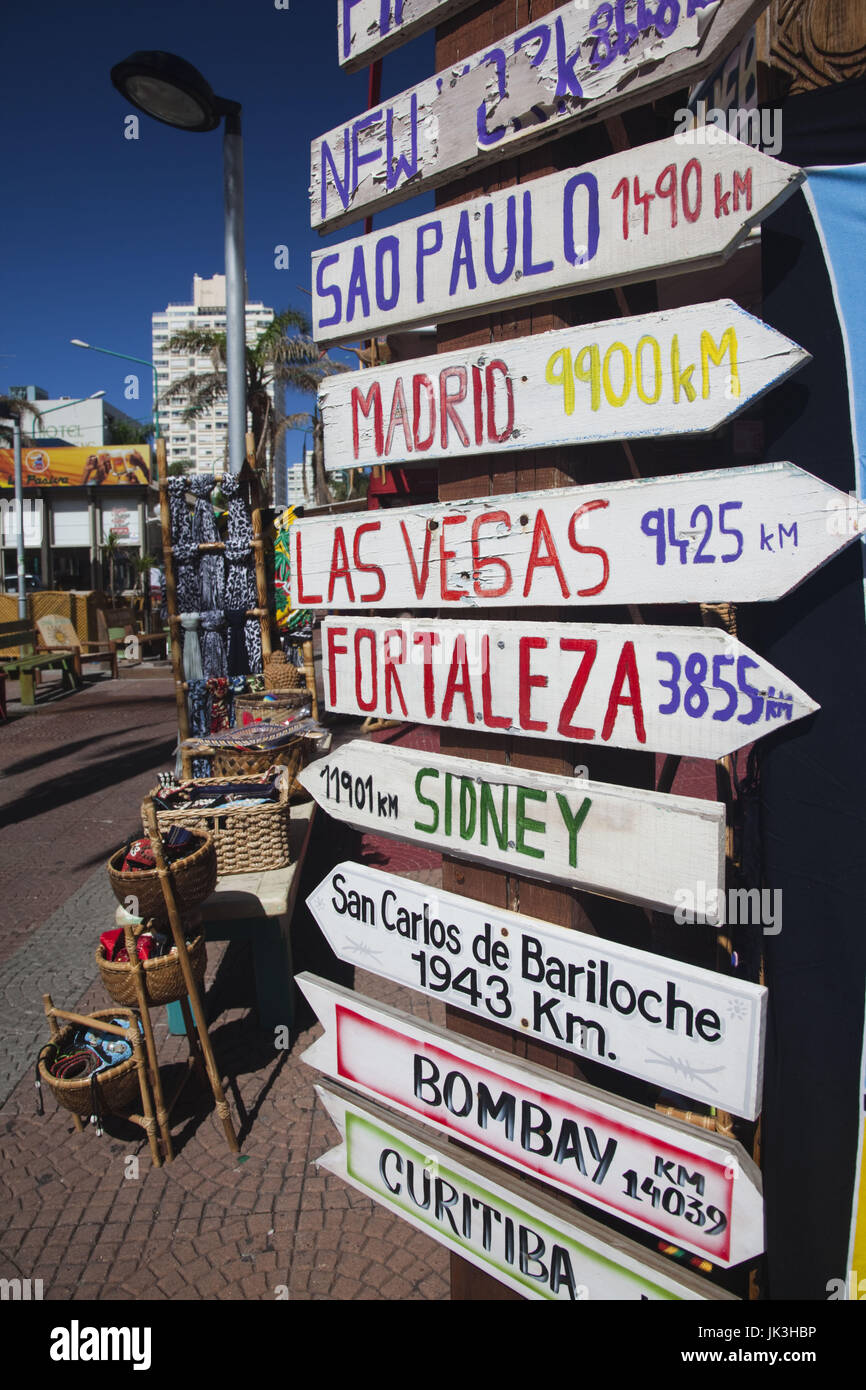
171 90
91 347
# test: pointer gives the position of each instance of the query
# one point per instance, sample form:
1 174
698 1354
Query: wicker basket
118 1086
247 839
242 762
281 674
163 977
254 705
193 878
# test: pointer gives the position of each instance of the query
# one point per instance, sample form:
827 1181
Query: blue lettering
580 255
528 267
372 155
462 255
357 286
539 31
422 251
348 6
385 15
566 77
326 291
485 136
409 166
766 538
494 275
391 244
341 185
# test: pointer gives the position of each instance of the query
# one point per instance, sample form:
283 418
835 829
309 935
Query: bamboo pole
140 987
259 550
171 601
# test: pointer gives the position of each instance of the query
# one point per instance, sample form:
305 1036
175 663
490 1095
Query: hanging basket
118 1085
193 878
163 977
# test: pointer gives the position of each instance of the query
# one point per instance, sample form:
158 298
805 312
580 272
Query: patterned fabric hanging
213 647
183 547
199 722
237 661
237 685
220 703
211 565
240 594
192 667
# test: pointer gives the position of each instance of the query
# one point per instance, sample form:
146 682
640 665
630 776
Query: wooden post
171 602
259 550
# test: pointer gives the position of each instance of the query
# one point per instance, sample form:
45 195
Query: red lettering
428 640
447 403
492 721
743 185
490 384
363 568
480 562
303 599
526 681
477 401
539 560
390 666
364 404
360 634
589 549
340 567
399 416
722 199
626 674
418 382
459 667
589 647
448 595
331 633
419 581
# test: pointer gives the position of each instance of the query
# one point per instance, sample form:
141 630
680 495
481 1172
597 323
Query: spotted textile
199 722
220 705
211 566
213 644
240 593
183 547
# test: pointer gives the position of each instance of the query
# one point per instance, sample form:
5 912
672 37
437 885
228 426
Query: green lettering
524 823
419 776
573 822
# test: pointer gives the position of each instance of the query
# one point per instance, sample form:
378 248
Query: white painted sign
680 371
536 1244
683 1028
675 205
734 535
368 29
694 691
623 842
577 65
689 1187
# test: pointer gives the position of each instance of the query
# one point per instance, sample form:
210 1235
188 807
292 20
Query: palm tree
283 355
13 408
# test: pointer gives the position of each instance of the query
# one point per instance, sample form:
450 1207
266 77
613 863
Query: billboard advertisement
69 467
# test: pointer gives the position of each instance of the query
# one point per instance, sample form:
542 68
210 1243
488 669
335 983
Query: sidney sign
537 1245
674 205
622 842
681 371
577 65
735 535
368 29
693 691
694 1189
674 1025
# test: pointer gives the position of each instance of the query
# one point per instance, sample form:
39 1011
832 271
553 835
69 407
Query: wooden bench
58 634
27 665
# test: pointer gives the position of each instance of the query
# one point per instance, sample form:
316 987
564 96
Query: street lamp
171 90
77 342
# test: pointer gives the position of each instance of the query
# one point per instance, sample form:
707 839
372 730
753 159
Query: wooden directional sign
368 29
578 65
538 1245
677 1026
681 371
695 1189
675 205
695 691
623 842
734 535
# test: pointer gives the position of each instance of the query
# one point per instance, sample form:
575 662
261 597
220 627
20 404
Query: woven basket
163 977
248 839
241 762
254 705
193 878
118 1086
281 674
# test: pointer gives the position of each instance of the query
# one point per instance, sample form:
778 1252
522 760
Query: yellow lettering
627 372
711 353
564 378
592 374
682 379
656 369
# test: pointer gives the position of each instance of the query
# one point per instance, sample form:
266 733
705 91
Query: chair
58 634
120 625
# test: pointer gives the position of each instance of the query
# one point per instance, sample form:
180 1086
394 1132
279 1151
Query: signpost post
696 1190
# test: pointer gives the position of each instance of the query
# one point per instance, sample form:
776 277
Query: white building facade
203 440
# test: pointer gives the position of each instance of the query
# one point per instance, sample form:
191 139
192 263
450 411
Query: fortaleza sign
698 1190
623 842
368 29
535 1244
575 66
734 535
694 691
661 209
681 371
677 1026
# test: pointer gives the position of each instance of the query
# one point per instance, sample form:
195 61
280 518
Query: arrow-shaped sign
680 371
675 205
677 1026
622 842
693 691
733 535
698 1190
578 65
368 29
536 1244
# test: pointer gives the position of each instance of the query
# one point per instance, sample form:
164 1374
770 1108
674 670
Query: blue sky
99 232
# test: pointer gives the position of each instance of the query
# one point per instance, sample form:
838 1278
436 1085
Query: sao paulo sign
368 29
538 1245
692 691
695 1189
580 64
675 1025
622 842
734 535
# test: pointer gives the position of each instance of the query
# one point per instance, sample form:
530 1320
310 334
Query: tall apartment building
202 440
